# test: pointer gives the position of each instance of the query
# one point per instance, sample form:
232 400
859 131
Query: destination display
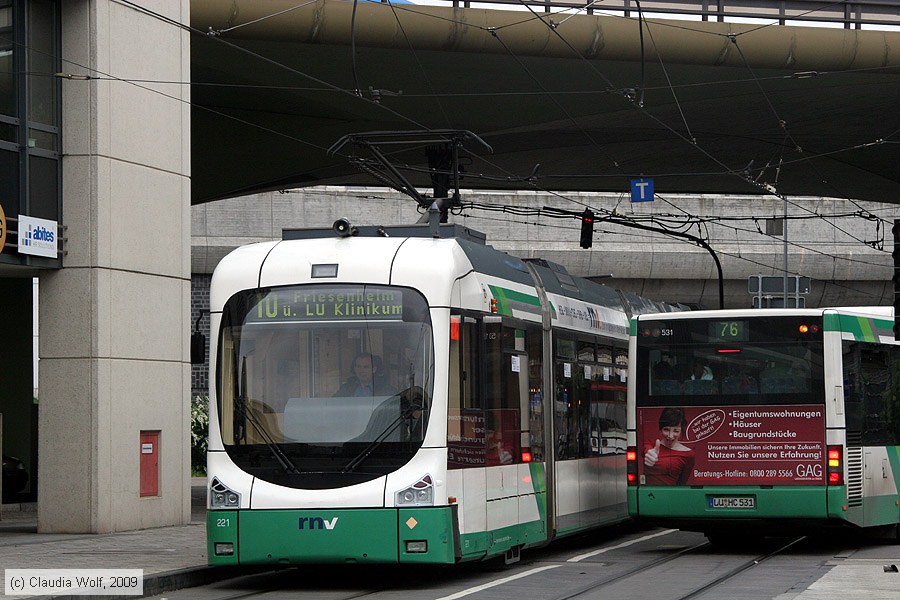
728 445
729 331
332 305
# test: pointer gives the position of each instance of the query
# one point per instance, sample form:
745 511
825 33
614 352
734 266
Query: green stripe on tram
539 485
863 329
893 453
507 300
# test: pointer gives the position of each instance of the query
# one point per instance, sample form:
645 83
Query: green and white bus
491 419
764 420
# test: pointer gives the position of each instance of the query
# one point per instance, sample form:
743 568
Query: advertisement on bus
732 445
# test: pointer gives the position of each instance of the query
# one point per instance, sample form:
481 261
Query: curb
167 581
185 578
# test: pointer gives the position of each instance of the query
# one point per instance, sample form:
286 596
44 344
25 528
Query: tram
410 395
756 421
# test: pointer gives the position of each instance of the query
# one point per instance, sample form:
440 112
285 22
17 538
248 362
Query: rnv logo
317 523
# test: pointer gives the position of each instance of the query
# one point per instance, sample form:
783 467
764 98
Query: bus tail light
835 465
631 465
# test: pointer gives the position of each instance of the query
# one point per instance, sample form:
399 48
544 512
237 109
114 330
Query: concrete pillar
114 322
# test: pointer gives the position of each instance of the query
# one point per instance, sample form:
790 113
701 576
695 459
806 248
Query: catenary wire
264 58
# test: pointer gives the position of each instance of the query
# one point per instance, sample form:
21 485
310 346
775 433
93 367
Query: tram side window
494 396
501 422
535 435
576 369
591 388
872 392
608 392
465 419
565 406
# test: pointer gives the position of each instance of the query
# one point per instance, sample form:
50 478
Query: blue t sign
642 190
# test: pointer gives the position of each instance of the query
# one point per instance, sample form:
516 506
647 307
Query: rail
851 15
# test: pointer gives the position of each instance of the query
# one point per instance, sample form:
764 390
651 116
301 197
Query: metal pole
784 231
680 234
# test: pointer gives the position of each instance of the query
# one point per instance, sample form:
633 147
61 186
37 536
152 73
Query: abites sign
37 237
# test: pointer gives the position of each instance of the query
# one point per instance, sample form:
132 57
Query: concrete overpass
730 117
701 107
828 244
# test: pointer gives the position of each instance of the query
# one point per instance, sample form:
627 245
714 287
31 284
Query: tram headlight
421 493
221 496
224 548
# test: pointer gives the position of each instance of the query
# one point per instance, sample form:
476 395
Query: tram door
871 407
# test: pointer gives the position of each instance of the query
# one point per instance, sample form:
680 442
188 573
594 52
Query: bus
492 417
762 421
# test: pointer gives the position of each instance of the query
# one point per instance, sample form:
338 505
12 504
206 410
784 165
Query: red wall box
149 463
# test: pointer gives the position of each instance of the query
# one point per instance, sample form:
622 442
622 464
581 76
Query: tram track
692 571
738 570
630 572
697 592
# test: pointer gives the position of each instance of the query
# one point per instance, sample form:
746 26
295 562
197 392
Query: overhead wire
176 23
541 92
864 213
358 91
422 69
568 115
798 16
511 210
493 33
664 70
738 256
640 103
138 84
693 142
270 61
782 123
700 223
266 17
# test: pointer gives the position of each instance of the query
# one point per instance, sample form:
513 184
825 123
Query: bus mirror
198 348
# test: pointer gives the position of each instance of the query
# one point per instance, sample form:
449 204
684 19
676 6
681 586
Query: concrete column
114 322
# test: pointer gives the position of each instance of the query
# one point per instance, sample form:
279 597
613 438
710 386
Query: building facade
86 145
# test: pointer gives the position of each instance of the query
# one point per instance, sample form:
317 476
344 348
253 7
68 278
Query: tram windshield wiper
357 460
248 414
282 458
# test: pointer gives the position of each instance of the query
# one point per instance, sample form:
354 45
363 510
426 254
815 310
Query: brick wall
200 306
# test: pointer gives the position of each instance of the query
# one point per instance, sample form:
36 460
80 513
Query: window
327 378
30 114
591 393
872 392
495 404
759 360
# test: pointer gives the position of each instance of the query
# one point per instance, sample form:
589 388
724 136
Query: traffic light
896 254
587 228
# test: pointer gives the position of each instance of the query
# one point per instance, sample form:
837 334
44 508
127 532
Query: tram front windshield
742 360
324 386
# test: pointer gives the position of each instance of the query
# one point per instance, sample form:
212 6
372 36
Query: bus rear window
766 360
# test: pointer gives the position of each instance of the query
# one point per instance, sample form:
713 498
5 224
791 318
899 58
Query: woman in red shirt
668 461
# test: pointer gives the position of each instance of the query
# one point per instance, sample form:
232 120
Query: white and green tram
410 395
765 421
